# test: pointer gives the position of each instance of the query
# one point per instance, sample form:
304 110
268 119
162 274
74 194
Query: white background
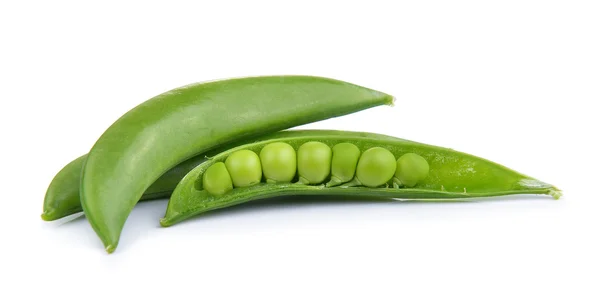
512 81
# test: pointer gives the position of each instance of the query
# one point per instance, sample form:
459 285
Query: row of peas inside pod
315 163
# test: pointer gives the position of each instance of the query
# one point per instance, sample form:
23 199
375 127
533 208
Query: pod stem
353 183
302 181
333 182
397 183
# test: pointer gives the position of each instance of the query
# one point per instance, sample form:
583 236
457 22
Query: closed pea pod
376 167
278 162
411 169
244 167
63 195
343 163
169 128
314 162
216 180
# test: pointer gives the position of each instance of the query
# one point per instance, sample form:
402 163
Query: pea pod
452 175
177 125
62 195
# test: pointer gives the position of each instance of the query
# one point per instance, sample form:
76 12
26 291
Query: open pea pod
451 175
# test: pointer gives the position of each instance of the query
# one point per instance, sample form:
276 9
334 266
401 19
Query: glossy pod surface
164 131
63 197
452 175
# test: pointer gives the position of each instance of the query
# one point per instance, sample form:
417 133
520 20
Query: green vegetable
411 169
314 162
452 175
216 180
375 167
62 195
343 164
172 127
244 167
278 162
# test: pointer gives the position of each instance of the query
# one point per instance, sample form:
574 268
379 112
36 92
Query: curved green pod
453 175
62 195
177 125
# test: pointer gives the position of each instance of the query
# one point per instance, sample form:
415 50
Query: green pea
244 168
343 163
375 167
411 169
314 162
278 162
216 180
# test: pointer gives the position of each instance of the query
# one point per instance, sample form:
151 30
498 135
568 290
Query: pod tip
391 101
555 193
111 248
47 216
164 222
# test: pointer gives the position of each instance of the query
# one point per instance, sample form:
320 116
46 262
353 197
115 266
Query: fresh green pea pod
167 129
62 195
452 175
63 199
